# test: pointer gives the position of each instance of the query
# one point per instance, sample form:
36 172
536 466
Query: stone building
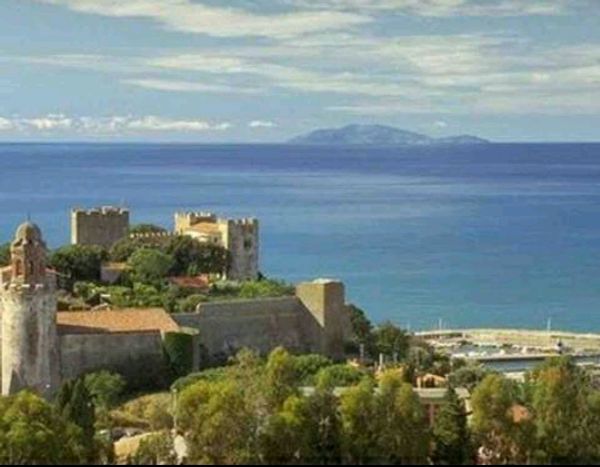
40 347
238 236
100 226
28 304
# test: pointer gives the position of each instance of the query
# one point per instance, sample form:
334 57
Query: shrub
148 411
339 375
155 449
179 352
307 367
265 288
105 387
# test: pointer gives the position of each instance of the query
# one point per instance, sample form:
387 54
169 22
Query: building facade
240 237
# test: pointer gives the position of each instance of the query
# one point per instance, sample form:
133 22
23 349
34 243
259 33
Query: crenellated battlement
152 235
101 211
243 222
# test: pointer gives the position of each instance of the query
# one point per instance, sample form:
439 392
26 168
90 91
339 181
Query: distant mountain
378 135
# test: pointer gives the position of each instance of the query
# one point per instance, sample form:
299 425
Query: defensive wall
304 322
136 356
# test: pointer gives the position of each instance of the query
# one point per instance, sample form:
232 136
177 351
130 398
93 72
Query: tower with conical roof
30 357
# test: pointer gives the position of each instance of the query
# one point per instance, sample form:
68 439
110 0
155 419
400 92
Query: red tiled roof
191 282
205 227
115 321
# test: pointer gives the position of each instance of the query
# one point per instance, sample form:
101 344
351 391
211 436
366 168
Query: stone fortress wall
100 226
137 356
316 319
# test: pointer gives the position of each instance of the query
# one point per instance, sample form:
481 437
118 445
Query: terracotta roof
120 266
115 321
192 282
205 227
519 413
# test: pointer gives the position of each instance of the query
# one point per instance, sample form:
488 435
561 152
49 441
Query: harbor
514 350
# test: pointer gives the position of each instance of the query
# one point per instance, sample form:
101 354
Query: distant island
379 135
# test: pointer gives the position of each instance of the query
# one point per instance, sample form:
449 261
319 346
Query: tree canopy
77 263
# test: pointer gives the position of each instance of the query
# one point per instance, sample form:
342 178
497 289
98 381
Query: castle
101 226
40 347
240 237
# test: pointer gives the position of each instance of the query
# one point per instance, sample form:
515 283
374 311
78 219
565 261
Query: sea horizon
477 236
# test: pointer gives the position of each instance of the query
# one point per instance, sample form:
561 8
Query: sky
267 70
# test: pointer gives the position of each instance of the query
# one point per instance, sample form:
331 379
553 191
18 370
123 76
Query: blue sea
491 235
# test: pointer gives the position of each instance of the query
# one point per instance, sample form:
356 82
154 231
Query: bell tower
28 256
28 300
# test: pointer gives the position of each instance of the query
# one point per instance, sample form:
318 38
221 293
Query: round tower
28 297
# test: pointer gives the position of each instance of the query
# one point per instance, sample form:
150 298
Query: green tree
5 254
468 376
452 443
339 375
32 432
505 435
150 265
403 437
362 330
192 257
390 340
221 422
105 388
280 440
307 366
122 250
560 402
77 263
75 404
156 449
320 428
360 425
280 377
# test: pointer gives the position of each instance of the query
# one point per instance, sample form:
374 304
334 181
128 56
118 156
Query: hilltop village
42 346
141 345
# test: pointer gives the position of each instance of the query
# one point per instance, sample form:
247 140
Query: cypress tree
450 433
75 404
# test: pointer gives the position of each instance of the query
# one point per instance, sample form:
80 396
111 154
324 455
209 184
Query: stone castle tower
100 226
30 356
239 236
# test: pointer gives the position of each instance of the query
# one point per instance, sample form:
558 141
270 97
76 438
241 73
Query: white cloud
193 17
262 124
187 86
153 123
6 124
447 8
113 125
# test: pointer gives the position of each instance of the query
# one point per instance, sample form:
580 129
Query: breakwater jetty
534 339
